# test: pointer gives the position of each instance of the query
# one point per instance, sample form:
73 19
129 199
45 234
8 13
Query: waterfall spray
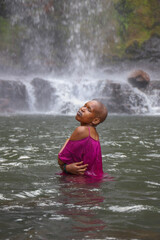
68 37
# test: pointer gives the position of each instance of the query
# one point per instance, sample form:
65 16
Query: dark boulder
154 85
13 96
149 50
139 79
121 98
44 94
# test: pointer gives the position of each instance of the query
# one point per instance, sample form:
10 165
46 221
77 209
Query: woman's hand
76 168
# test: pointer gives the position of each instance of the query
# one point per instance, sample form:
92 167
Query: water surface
36 203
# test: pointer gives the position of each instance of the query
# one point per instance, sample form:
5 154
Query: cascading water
86 39
69 35
66 34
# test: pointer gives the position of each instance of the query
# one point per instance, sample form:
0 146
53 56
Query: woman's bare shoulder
79 133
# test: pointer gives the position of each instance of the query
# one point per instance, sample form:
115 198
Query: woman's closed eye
88 108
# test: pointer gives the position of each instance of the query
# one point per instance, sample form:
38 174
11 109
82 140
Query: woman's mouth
79 113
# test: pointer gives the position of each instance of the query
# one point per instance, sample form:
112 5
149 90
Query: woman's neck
88 125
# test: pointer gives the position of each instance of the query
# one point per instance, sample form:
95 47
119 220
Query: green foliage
137 21
121 24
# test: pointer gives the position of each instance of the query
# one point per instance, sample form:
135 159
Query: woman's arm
77 168
74 168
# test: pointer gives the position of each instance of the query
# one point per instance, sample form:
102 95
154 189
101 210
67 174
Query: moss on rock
137 22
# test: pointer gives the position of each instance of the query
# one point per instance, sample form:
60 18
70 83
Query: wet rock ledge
13 96
128 97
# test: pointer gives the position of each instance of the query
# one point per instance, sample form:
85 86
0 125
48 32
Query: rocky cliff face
55 35
138 28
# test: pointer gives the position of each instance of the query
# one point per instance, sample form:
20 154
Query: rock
153 93
44 94
121 98
13 96
154 85
139 79
66 107
151 48
148 51
4 105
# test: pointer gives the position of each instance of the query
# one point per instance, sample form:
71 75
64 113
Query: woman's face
87 113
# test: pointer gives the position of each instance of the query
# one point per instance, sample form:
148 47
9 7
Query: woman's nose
83 109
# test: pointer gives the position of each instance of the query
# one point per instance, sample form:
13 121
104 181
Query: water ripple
130 209
153 183
26 194
115 155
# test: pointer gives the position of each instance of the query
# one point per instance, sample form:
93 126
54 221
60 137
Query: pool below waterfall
36 203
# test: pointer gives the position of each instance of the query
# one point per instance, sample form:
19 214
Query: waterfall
66 34
64 95
86 36
69 36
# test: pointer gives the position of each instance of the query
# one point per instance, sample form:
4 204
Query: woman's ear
96 121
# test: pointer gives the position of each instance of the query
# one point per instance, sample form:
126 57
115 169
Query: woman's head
92 113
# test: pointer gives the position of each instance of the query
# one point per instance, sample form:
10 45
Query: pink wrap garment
87 150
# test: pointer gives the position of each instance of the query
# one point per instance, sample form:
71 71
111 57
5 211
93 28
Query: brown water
35 203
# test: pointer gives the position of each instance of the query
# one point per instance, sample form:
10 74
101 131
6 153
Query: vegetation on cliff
136 22
111 29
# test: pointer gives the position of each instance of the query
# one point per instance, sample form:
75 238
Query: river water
36 203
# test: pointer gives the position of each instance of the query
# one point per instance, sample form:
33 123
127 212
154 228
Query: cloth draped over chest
87 150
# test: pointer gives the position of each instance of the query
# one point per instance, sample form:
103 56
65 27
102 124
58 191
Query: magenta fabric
87 150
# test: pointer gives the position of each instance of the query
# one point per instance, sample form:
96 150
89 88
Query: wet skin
87 116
